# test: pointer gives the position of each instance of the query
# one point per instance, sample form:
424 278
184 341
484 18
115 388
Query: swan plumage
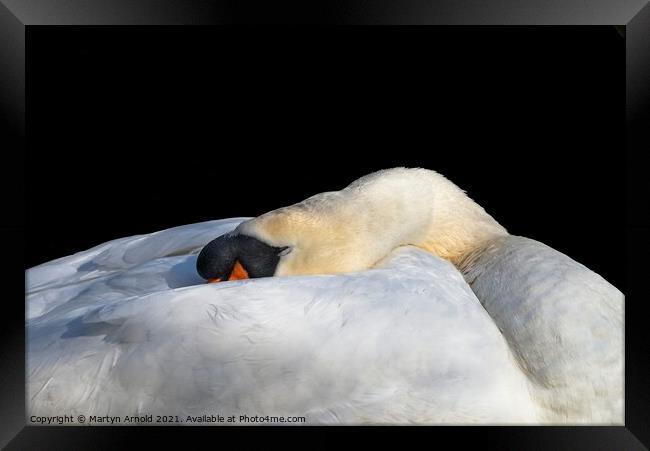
134 330
380 327
563 322
352 229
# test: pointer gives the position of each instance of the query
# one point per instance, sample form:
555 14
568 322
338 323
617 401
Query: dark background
134 130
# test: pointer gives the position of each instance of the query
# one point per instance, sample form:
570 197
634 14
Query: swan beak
238 273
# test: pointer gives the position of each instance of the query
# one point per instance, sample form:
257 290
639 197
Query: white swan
112 331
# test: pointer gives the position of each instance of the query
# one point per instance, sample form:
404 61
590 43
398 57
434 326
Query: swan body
128 328
563 322
412 305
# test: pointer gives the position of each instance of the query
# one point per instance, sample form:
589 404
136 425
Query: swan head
236 256
353 229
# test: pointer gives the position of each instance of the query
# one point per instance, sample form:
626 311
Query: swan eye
284 251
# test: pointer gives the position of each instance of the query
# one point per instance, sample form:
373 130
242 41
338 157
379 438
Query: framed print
343 214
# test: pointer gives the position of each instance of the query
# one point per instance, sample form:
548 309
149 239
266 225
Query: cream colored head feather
352 229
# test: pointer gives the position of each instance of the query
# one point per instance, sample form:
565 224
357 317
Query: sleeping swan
376 329
562 322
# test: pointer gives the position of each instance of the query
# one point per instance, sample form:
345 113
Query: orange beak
238 273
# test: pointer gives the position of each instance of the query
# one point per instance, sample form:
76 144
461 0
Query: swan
408 303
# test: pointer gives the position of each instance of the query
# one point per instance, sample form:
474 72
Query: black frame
633 18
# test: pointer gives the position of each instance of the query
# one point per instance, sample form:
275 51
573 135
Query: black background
134 130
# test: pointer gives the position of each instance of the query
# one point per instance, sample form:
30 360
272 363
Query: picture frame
631 16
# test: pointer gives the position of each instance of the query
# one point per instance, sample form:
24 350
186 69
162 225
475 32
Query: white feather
394 334
563 322
405 342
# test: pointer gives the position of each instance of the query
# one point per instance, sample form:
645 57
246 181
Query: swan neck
461 230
